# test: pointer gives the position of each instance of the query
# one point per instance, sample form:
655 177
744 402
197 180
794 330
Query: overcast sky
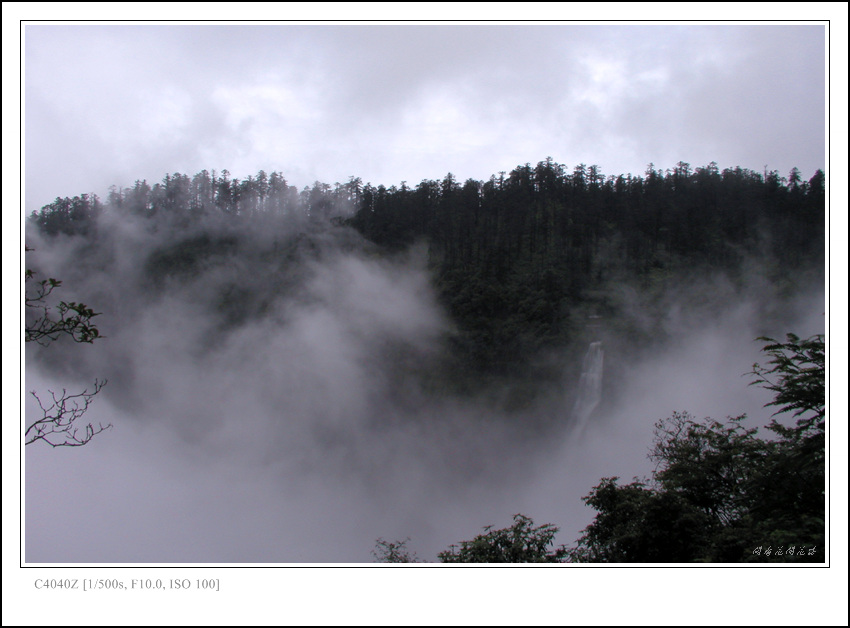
106 105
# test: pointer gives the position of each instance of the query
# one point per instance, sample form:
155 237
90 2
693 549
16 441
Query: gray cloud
110 104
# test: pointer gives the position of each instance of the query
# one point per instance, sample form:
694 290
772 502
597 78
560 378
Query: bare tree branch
58 425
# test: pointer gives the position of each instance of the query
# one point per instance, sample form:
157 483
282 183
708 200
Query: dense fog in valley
279 390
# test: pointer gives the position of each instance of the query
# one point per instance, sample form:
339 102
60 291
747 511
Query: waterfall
589 387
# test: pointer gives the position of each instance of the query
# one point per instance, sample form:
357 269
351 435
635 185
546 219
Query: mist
273 402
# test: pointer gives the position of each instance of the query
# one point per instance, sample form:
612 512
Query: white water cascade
589 387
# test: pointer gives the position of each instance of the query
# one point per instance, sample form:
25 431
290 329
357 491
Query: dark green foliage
188 257
636 523
522 542
514 258
515 254
46 323
721 493
69 216
393 552
708 463
791 491
796 375
519 543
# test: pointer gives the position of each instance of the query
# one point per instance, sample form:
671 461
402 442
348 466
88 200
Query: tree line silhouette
518 260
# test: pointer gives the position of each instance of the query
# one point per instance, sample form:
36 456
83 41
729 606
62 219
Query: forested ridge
527 267
520 261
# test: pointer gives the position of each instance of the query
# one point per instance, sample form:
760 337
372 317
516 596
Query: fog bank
272 401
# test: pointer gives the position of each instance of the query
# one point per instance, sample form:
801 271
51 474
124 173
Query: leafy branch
796 373
519 543
72 318
393 552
